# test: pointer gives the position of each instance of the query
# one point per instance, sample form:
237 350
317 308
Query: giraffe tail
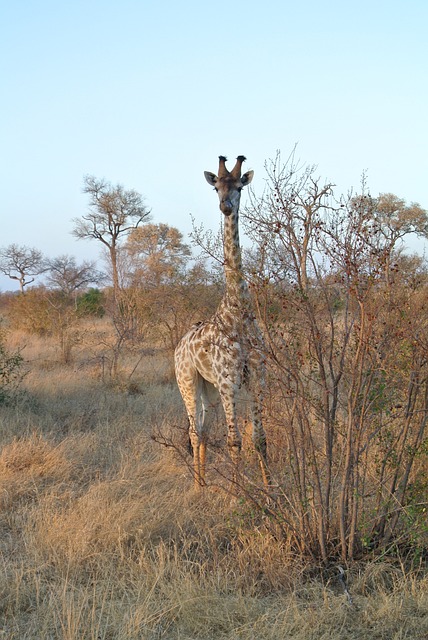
189 447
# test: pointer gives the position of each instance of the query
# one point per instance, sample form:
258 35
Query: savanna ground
104 537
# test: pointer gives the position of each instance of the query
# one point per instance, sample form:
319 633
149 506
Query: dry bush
346 340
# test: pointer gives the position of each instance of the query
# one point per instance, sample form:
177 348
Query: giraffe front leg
234 440
259 441
202 459
199 454
234 444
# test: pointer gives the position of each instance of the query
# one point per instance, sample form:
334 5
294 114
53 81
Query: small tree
66 276
386 221
157 254
21 263
113 213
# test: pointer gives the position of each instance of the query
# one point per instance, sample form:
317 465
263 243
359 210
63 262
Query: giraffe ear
211 178
247 177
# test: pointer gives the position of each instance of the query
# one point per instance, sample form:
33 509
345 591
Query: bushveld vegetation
102 532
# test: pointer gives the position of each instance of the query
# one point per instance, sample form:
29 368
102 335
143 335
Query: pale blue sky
148 94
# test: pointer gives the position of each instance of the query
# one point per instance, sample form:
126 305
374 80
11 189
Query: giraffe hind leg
208 399
190 391
197 407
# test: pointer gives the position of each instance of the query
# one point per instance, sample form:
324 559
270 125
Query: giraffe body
217 357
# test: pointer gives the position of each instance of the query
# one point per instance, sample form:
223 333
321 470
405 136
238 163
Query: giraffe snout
226 206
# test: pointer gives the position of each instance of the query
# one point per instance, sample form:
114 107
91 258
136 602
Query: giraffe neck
236 287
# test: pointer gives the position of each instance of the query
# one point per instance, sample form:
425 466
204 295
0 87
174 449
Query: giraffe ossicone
224 353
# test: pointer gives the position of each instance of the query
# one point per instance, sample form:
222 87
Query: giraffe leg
234 440
197 407
205 396
202 461
198 439
198 445
190 390
259 441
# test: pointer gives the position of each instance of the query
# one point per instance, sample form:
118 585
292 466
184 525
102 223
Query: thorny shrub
346 343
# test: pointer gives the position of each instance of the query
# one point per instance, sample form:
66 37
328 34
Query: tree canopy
113 213
157 253
21 263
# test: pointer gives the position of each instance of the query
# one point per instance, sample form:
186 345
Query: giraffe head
229 184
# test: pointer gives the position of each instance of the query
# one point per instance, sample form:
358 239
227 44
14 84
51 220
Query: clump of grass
26 464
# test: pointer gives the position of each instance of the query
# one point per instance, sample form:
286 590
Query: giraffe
218 356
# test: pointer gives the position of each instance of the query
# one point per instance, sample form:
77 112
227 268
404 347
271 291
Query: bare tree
113 213
68 277
21 263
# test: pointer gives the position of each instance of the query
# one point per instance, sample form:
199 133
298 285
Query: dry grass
103 537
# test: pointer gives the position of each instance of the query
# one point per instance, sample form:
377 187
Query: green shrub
91 303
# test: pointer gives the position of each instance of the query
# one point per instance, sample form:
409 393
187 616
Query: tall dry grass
103 537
